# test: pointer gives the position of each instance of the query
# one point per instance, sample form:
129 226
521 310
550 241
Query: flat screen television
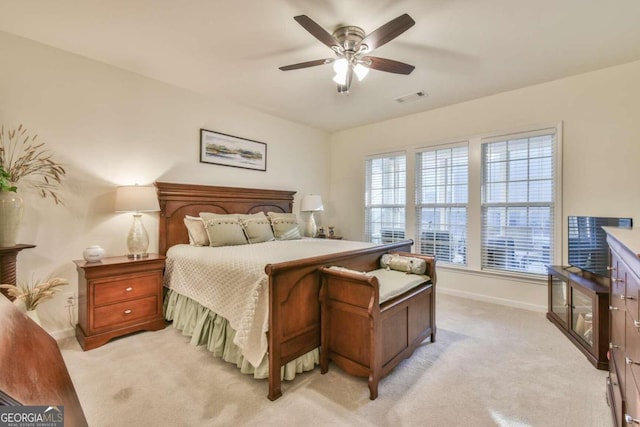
588 249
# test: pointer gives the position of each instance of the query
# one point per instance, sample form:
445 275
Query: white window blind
518 201
385 198
442 195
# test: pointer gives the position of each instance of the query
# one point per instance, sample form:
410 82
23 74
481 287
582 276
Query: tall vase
11 207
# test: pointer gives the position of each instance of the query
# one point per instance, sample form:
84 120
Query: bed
293 286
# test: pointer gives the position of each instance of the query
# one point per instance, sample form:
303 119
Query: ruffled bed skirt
213 331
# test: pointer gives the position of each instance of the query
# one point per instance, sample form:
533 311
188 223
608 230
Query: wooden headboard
178 200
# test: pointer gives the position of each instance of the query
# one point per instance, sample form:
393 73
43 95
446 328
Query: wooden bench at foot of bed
294 307
366 338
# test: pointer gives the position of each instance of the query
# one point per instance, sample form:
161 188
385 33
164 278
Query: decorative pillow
225 232
197 233
281 215
285 226
405 264
348 270
257 215
258 229
210 215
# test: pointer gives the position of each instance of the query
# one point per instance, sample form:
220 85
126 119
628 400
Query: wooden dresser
117 296
623 383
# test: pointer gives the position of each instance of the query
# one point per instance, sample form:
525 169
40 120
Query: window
385 198
518 201
442 194
490 203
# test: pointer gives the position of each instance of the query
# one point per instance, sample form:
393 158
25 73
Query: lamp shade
136 198
311 203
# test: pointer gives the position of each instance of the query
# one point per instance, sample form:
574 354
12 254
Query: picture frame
228 150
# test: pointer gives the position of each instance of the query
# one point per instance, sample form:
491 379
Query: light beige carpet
490 366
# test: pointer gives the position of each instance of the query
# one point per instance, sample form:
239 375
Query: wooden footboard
294 307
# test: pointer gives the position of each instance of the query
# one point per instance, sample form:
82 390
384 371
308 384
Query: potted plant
23 159
30 295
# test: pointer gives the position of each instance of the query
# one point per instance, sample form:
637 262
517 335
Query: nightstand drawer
124 312
126 288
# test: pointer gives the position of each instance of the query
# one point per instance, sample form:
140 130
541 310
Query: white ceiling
462 49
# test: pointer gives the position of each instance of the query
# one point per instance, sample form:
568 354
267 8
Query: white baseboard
63 333
493 300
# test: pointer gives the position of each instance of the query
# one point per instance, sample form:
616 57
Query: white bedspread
231 281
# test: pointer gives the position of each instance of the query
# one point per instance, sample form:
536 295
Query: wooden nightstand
117 296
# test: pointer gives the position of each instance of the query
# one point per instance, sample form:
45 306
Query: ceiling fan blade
388 65
307 64
388 32
316 30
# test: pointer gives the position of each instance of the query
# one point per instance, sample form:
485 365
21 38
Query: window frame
440 244
368 206
502 258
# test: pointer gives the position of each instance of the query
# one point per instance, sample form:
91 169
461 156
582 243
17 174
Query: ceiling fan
351 46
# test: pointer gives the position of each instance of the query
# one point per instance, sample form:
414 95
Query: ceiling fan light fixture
340 78
343 89
361 71
341 67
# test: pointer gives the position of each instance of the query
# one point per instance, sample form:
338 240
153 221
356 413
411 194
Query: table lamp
136 199
311 203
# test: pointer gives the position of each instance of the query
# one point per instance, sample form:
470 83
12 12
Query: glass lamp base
311 228
138 239
137 256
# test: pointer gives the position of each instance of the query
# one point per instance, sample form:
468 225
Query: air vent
412 97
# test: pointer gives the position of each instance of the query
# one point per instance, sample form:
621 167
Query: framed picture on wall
226 150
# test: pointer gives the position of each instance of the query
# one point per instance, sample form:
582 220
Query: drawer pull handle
615 280
611 269
636 323
612 345
129 289
129 311
612 308
630 420
624 297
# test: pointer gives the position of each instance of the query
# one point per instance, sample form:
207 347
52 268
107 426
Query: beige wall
600 112
110 127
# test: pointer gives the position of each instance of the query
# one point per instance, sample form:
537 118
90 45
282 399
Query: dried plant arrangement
33 294
21 157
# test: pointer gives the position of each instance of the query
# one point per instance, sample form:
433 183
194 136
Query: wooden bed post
275 382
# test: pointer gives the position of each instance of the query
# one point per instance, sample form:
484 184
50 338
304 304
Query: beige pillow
405 264
225 232
257 215
210 215
258 229
285 226
197 233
